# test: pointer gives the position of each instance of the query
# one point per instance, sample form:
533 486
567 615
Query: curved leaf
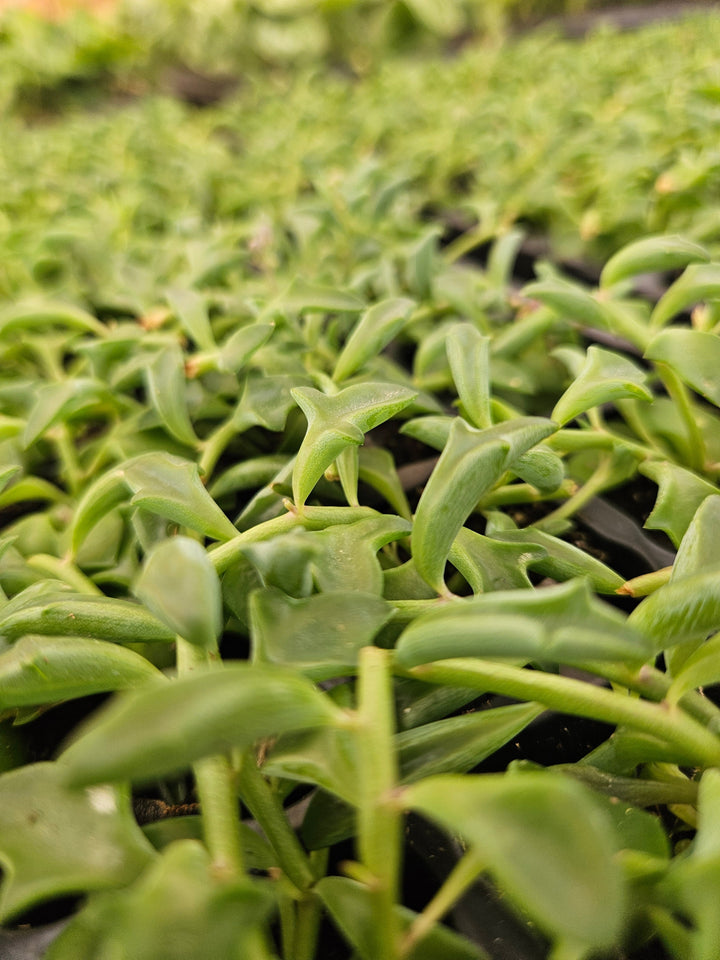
605 377
374 330
471 462
180 586
693 355
166 387
38 670
152 733
700 281
56 841
660 253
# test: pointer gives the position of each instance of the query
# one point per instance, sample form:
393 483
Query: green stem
678 392
595 485
307 927
567 695
214 447
67 454
465 873
379 818
266 808
214 782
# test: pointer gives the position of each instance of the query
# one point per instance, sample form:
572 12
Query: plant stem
379 818
265 807
582 699
214 782
465 872
214 446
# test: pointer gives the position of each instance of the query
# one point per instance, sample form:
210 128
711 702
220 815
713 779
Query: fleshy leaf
161 483
700 281
324 758
376 467
56 841
49 314
179 909
190 307
304 297
700 546
180 586
38 670
693 355
563 624
336 421
562 561
471 462
489 564
469 356
320 635
544 839
241 345
375 329
570 301
680 494
148 734
166 387
605 377
57 401
651 254
351 905
687 609
540 467
458 744
53 613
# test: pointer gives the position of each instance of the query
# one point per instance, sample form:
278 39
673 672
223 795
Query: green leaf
166 386
700 669
190 307
351 905
545 840
540 467
687 609
458 744
304 297
161 483
489 565
179 909
562 560
562 624
242 344
699 549
693 355
180 586
605 377
152 733
376 468
336 421
38 670
433 430
471 462
57 402
651 254
49 314
265 402
469 356
700 281
54 613
569 301
374 330
680 494
325 758
56 841
320 635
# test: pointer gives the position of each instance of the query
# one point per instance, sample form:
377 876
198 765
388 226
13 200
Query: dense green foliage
296 471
